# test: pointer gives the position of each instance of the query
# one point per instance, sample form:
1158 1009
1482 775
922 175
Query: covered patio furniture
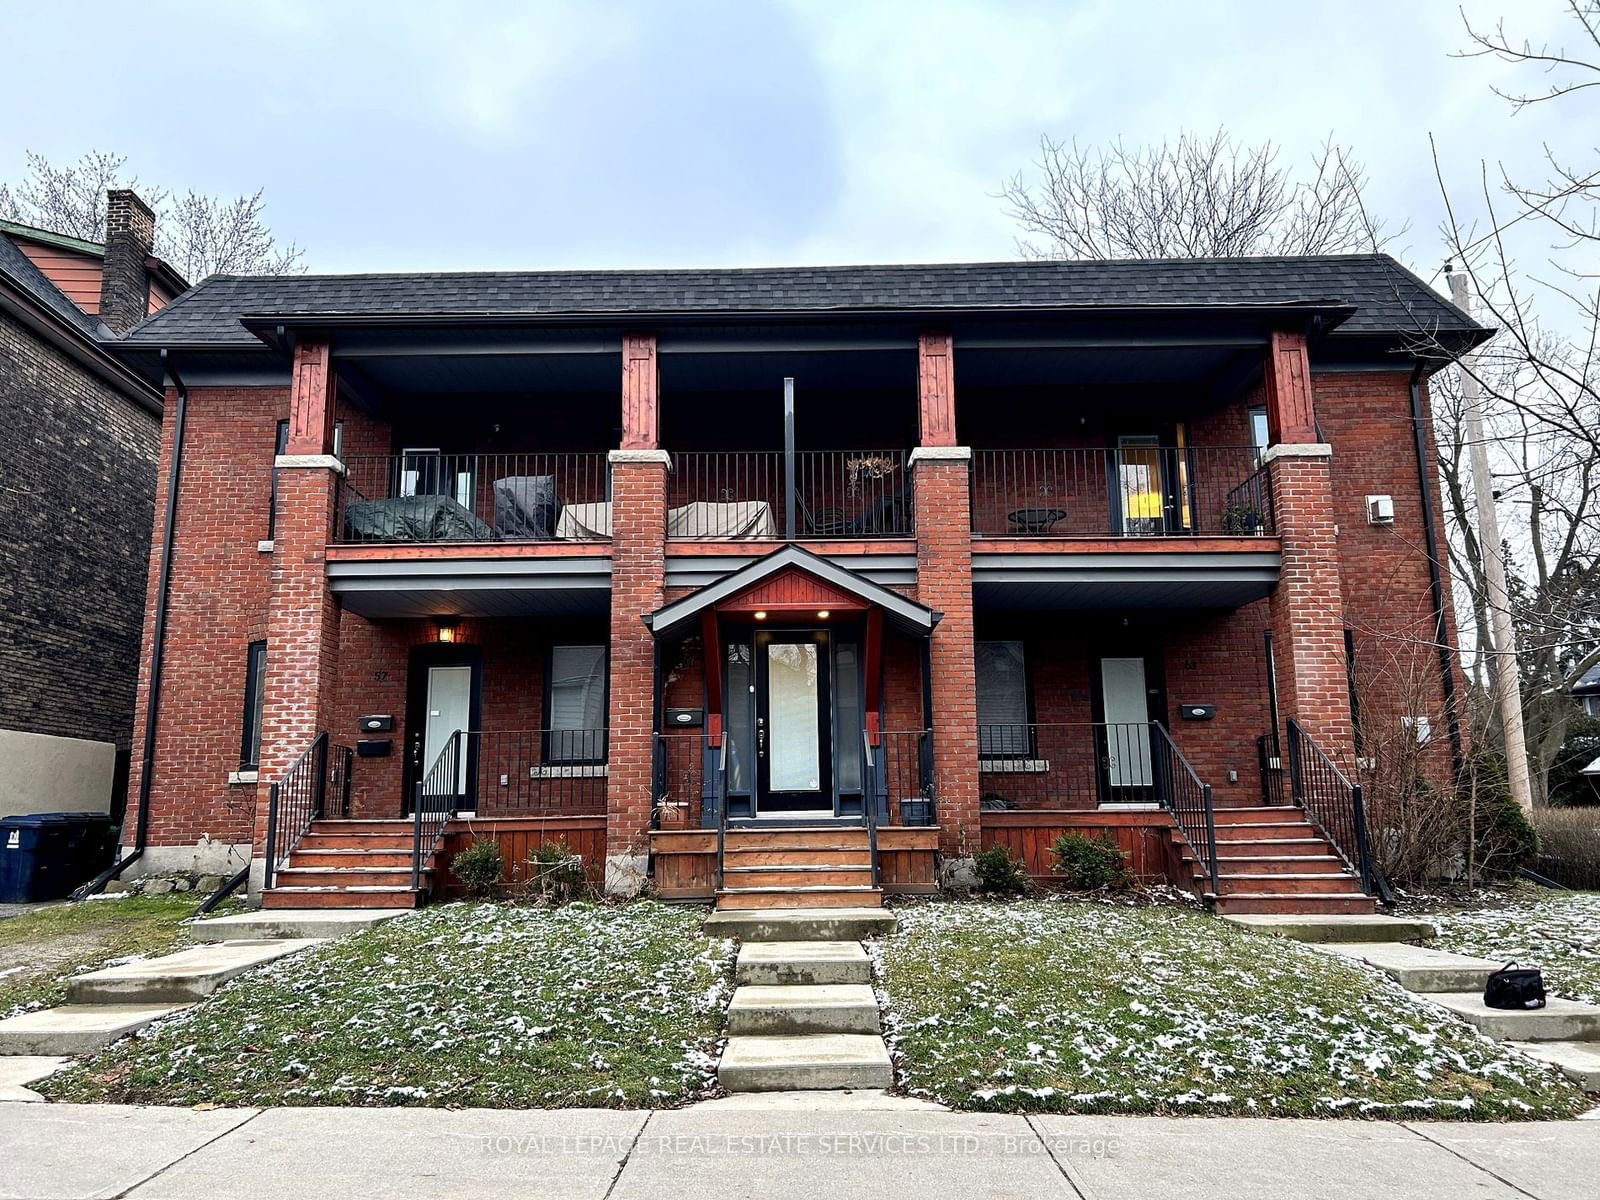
413 519
526 507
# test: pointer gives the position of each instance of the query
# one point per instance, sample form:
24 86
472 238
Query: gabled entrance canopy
791 579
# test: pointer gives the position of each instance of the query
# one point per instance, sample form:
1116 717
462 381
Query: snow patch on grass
1048 1006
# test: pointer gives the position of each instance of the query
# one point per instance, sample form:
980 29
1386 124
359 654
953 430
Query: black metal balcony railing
537 772
677 779
901 770
430 497
752 494
1070 766
1124 491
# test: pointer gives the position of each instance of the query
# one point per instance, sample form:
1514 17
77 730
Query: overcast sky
401 136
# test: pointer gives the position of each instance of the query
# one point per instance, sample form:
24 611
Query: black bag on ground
1514 987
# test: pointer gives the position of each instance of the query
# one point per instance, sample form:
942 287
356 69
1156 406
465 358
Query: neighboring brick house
80 433
975 554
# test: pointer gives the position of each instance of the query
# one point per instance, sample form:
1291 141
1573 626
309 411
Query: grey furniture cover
526 506
413 519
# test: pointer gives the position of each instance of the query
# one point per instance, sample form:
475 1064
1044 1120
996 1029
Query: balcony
821 495
431 497
1137 489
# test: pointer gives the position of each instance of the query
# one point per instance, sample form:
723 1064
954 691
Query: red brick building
910 559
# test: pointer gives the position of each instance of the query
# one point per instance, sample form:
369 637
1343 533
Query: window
281 444
255 690
1143 501
1260 437
575 705
1003 730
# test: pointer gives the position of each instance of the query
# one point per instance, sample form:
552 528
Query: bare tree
1541 376
199 235
1200 196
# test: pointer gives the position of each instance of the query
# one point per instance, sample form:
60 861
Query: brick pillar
638 576
1307 605
303 617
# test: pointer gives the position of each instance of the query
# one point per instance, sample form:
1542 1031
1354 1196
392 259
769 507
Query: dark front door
794 722
443 700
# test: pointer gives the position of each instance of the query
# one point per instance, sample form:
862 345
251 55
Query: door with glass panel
1139 507
1126 768
793 718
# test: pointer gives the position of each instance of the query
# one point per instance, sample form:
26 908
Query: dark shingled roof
1387 297
19 269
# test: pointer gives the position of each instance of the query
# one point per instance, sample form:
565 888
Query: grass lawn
38 950
459 1004
1060 1007
1559 932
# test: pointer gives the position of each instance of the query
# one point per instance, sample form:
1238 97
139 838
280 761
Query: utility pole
1503 657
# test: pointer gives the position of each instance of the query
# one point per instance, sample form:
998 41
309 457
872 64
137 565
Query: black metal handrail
869 807
899 777
434 801
677 774
302 796
1070 765
722 808
1269 762
753 495
425 496
1121 491
1334 805
1188 800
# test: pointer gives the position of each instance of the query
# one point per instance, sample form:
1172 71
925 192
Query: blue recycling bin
44 856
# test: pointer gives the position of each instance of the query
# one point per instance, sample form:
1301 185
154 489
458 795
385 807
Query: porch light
447 628
761 614
822 614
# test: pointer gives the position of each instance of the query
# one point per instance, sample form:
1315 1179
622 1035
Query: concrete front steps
1564 1034
803 1015
349 864
1272 860
108 1004
800 866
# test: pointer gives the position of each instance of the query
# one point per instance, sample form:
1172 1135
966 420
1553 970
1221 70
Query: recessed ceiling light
822 614
761 614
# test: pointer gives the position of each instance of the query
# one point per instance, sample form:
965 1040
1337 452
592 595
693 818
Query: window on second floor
1002 700
280 444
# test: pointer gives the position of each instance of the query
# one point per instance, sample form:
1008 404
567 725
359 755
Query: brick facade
77 511
326 667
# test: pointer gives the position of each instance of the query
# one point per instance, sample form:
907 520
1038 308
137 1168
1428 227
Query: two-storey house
794 586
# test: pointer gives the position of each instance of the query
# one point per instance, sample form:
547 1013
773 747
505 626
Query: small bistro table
1035 520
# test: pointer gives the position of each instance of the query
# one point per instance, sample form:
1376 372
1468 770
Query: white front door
1127 710
449 710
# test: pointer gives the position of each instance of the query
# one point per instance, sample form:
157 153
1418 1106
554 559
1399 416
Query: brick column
942 487
303 617
1307 605
638 576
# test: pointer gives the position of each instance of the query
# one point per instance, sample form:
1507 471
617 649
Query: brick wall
76 511
217 607
944 584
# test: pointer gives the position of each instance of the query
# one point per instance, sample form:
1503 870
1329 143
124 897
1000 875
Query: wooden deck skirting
686 861
1146 836
518 837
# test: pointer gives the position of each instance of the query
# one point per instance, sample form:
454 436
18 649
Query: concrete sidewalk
772 1146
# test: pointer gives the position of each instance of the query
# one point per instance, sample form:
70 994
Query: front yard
1559 932
1050 1006
40 949
460 1004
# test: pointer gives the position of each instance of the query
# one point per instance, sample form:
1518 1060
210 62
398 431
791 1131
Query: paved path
773 1146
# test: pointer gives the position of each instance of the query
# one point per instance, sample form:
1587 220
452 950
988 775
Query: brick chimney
124 279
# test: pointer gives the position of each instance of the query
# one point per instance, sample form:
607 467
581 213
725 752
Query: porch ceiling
1197 579
403 588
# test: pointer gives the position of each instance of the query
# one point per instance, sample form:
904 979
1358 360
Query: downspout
157 641
1430 540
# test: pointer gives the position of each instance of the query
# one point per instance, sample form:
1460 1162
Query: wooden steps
1273 860
349 864
797 867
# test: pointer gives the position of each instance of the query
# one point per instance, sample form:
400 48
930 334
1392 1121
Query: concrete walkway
768 1148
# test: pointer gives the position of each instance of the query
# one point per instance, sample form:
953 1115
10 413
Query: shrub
479 867
999 872
1089 862
555 874
1503 837
1569 787
1569 846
